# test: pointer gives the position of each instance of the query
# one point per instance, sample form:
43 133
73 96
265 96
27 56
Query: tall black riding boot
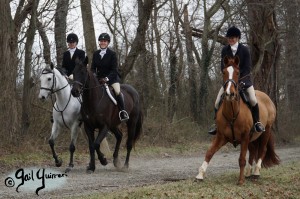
259 127
213 128
122 114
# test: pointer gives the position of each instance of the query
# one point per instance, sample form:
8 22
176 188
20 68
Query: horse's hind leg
217 143
118 134
74 135
101 135
252 155
261 151
54 133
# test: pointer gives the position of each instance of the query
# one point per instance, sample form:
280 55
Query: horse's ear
226 60
237 60
86 60
51 65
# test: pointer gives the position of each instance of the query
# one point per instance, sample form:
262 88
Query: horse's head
80 75
231 76
47 80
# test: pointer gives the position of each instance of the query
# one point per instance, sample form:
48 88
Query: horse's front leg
91 138
118 134
74 135
54 133
101 135
217 143
242 159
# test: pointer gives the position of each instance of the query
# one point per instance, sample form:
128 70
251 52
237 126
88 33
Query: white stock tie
102 52
72 51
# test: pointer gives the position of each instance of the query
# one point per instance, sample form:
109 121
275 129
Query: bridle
235 114
82 86
52 91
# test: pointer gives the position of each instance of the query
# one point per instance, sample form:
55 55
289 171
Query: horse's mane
61 70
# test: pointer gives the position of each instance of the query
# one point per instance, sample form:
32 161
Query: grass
278 182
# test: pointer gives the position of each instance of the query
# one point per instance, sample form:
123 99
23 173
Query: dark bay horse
99 112
234 124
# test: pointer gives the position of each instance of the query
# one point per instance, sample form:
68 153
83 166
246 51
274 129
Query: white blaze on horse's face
230 72
46 85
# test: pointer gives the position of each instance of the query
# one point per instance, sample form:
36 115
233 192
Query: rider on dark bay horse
237 49
105 66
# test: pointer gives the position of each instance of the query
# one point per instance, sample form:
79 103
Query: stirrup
213 130
259 127
124 114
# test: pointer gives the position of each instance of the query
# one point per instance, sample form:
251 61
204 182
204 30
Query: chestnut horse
99 111
234 124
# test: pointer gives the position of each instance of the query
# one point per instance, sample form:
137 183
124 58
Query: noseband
236 86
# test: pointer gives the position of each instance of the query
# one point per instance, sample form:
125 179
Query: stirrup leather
125 114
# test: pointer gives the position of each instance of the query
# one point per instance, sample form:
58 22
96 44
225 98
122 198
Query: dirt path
142 171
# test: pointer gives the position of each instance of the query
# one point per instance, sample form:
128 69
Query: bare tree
144 10
10 28
292 66
192 71
27 85
88 27
60 28
264 45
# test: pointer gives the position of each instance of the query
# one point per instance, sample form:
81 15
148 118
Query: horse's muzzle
75 92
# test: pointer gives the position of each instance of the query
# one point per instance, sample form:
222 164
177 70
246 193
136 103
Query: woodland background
168 49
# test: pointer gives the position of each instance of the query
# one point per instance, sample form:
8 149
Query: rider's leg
259 127
213 129
120 100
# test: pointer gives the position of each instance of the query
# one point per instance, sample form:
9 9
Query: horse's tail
138 129
271 158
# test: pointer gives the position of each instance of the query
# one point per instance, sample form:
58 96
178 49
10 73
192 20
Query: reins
232 120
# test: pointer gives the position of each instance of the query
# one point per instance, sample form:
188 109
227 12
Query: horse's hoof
125 169
198 180
59 163
90 169
240 183
68 169
103 161
255 177
117 163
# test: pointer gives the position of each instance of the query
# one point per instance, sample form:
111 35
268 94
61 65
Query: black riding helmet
233 32
72 38
104 36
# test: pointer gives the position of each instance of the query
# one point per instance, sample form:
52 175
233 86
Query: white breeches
116 87
250 91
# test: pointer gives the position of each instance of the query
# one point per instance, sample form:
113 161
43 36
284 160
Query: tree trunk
27 71
292 66
60 28
193 98
8 73
264 45
88 27
46 44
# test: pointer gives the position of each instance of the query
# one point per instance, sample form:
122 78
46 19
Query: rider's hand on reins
103 80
